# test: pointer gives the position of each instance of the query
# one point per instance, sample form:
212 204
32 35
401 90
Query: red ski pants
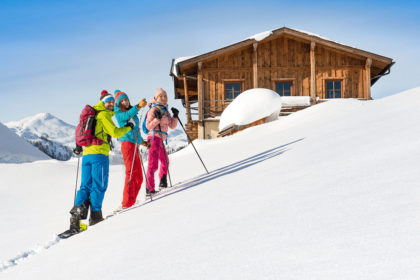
131 188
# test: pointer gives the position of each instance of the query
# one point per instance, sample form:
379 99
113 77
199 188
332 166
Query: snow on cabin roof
174 69
263 35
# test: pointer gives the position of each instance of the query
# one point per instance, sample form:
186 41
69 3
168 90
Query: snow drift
250 106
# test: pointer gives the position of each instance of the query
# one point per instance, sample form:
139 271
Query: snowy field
329 192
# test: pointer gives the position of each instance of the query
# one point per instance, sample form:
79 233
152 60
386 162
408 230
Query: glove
142 103
78 150
131 123
146 144
158 114
175 112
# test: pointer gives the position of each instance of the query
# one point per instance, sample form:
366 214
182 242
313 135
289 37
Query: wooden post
255 65
200 101
313 77
187 102
368 81
200 91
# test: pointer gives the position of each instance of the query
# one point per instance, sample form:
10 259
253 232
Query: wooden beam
313 76
368 81
200 91
255 65
181 91
187 102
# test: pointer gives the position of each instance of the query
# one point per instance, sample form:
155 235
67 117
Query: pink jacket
153 123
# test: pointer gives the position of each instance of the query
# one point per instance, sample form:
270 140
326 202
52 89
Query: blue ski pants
95 171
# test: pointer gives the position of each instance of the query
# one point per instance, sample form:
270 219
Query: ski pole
77 177
145 175
192 144
166 154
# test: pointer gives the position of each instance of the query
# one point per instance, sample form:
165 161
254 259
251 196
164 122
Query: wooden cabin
288 61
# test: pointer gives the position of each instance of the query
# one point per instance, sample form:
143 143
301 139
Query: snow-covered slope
329 192
48 133
14 149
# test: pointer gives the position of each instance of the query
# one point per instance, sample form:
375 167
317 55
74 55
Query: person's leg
163 171
127 150
137 179
100 171
80 208
86 185
153 161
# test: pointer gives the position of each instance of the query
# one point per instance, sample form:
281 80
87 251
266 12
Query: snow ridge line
26 254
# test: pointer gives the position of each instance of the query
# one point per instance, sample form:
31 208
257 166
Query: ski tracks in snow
26 254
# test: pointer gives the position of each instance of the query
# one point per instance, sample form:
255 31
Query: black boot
95 217
75 218
150 192
163 183
85 210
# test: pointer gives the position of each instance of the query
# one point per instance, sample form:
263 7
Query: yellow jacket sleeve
109 126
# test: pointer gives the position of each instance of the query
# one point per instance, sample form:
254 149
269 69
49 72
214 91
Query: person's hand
175 112
142 103
78 150
147 144
158 114
131 123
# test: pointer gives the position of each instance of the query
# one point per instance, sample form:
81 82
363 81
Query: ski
70 232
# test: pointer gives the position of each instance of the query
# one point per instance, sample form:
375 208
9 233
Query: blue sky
57 56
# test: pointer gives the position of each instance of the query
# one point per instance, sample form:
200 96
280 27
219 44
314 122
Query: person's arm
109 126
122 117
151 120
172 121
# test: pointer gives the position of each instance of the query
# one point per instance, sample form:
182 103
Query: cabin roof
268 35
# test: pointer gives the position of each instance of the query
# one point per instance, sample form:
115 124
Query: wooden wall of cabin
283 58
333 64
235 66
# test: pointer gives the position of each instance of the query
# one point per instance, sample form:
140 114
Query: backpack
85 130
144 127
146 130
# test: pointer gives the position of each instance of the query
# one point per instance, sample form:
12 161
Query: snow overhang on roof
310 37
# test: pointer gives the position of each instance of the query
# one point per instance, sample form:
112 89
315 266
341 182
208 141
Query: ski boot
149 192
95 217
163 182
84 210
75 224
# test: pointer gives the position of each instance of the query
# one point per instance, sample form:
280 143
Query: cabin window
232 90
284 88
334 89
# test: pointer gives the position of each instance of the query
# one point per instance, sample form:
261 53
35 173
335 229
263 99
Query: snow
176 61
261 36
14 149
329 192
46 124
312 34
250 106
295 101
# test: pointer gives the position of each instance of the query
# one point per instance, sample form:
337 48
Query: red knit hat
106 96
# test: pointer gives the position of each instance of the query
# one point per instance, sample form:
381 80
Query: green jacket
104 127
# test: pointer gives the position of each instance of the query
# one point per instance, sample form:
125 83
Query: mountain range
55 137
